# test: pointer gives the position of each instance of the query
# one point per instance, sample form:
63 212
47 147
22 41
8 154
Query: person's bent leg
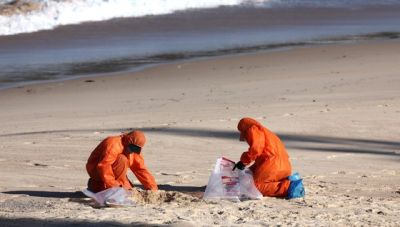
273 189
95 185
120 168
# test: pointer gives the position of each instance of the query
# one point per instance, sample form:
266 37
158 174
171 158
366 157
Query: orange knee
273 189
120 168
95 185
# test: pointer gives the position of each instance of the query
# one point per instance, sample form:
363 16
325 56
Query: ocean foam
53 13
24 16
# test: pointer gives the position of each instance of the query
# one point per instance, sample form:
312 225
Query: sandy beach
336 107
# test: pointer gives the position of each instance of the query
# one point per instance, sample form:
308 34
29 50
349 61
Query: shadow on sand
11 222
48 194
78 195
292 141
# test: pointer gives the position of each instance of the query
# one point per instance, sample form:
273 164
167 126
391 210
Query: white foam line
55 13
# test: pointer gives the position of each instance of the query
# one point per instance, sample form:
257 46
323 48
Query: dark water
125 44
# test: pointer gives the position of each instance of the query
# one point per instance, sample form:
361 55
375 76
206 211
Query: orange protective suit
108 163
271 162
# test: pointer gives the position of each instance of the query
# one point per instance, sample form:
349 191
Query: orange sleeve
104 167
142 174
255 139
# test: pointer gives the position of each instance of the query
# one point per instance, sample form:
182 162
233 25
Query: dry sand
336 107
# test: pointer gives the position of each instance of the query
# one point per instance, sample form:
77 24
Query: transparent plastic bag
248 189
226 184
223 182
112 197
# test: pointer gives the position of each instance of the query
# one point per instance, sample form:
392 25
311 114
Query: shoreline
119 44
112 67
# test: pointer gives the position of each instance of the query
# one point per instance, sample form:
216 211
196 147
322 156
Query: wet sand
336 107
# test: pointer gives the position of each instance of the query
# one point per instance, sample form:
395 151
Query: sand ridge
161 196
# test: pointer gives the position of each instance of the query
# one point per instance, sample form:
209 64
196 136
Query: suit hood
134 137
246 123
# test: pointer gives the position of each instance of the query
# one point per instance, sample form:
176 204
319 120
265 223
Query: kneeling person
108 164
270 161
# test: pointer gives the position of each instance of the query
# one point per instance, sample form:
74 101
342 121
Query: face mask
134 148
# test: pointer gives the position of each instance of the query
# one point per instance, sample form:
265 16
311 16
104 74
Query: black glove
239 165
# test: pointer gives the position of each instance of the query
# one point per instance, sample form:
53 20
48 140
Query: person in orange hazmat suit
271 166
108 164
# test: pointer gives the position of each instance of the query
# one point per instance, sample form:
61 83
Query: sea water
43 40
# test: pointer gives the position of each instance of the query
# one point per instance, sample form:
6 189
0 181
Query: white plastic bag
230 185
114 197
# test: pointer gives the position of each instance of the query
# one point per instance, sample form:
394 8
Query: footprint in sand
261 118
337 156
36 164
184 179
341 172
170 174
288 114
388 172
314 177
40 165
331 156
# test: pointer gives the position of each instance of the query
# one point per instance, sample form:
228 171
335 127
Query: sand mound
160 196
